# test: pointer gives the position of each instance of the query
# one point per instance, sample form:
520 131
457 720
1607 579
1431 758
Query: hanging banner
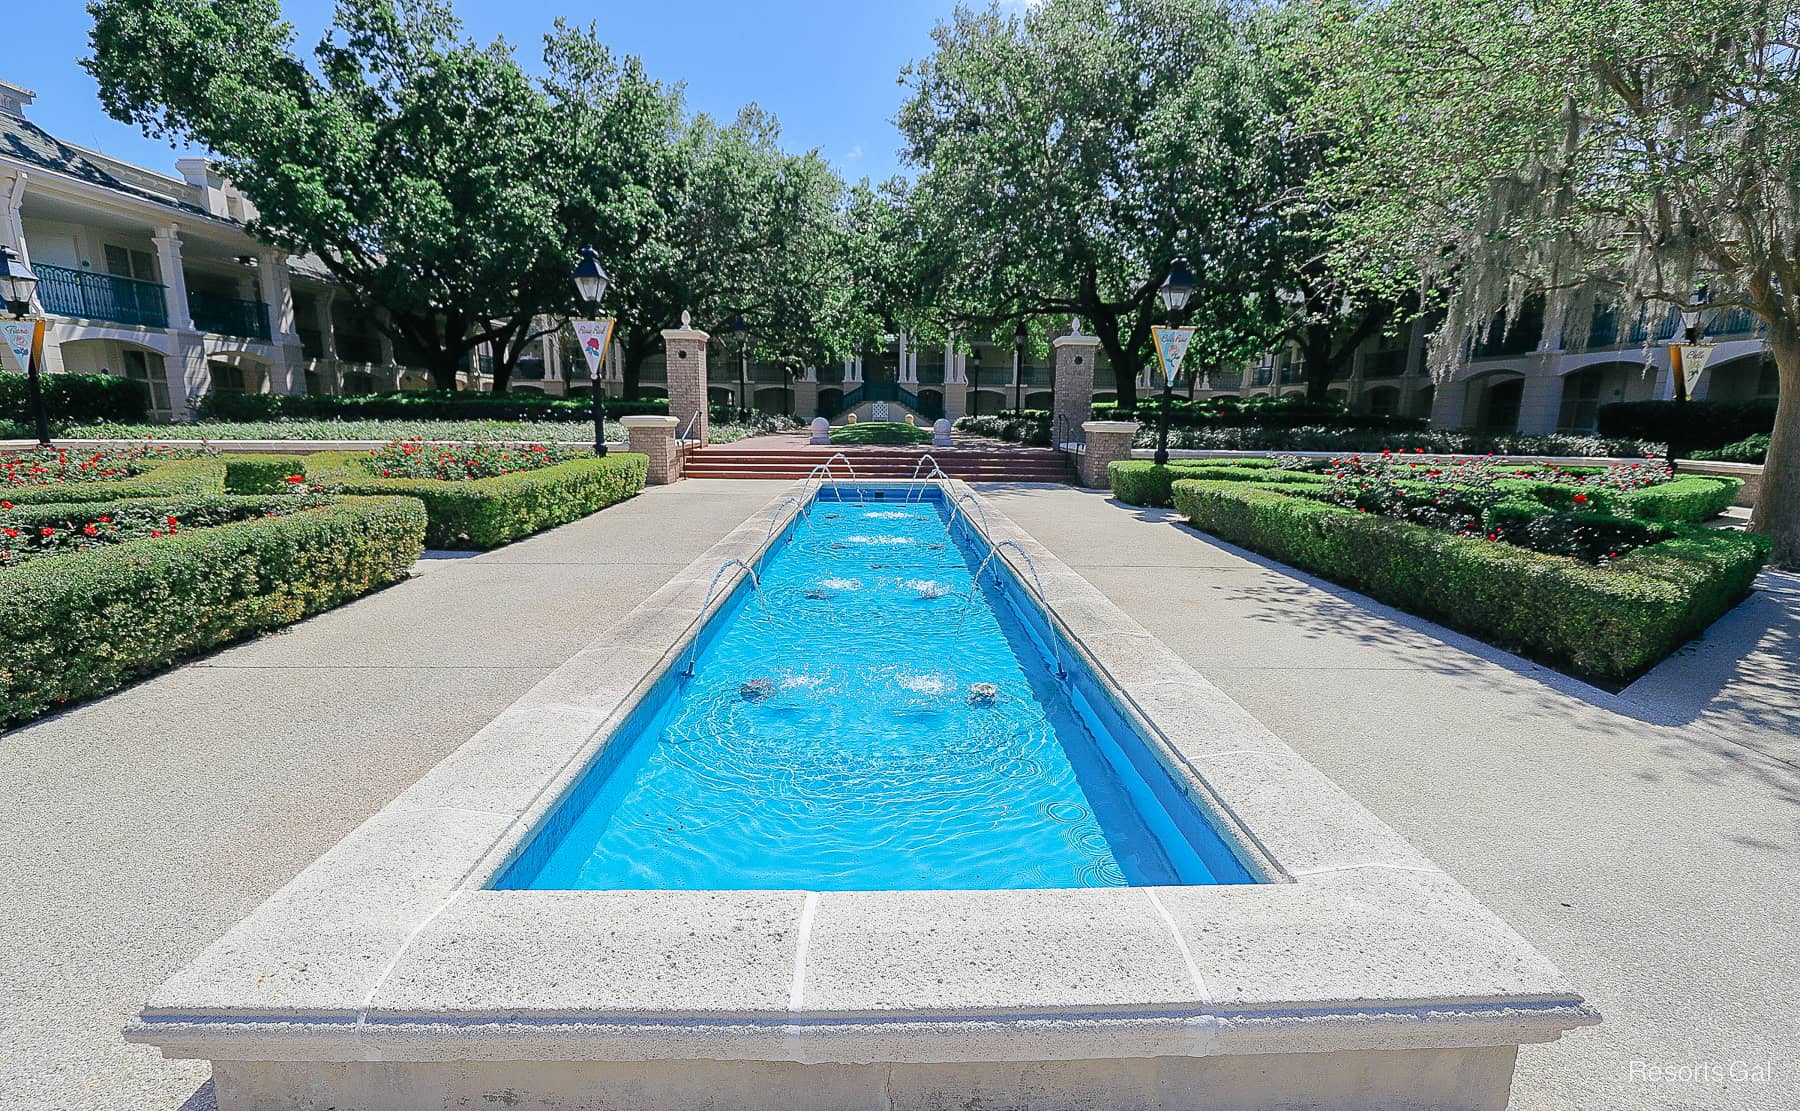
594 337
24 344
1172 348
1693 360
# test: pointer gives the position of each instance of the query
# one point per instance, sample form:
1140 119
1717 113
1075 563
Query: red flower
171 521
12 532
46 532
1580 499
106 520
5 505
296 478
156 532
90 530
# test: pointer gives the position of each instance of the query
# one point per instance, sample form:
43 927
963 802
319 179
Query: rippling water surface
868 727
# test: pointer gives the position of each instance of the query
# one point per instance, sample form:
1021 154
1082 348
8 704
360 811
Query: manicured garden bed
132 597
499 502
1601 572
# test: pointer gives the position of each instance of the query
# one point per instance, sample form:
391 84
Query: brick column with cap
685 356
1072 401
1107 442
655 437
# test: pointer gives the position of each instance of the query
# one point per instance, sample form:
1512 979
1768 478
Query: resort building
152 277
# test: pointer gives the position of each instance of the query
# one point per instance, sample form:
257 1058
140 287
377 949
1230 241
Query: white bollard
940 433
821 430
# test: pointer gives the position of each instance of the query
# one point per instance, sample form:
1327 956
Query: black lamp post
1020 337
742 331
17 283
974 381
1175 291
590 285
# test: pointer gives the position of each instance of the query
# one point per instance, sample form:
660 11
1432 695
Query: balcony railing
931 376
228 316
91 296
1223 379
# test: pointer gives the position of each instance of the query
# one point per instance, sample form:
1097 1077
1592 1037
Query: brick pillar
1107 441
655 437
1072 399
685 355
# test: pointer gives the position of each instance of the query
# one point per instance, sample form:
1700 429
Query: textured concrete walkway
138 828
1646 842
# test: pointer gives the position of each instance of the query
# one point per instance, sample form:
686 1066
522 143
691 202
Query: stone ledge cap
1109 426
649 421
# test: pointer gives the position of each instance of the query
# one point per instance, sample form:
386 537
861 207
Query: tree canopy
1593 153
1069 152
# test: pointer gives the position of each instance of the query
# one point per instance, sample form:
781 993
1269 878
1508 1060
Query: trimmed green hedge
84 624
175 478
489 512
1138 482
261 474
1605 623
75 398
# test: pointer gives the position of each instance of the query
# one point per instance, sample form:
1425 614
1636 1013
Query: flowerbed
84 622
55 466
487 512
1606 621
459 462
29 532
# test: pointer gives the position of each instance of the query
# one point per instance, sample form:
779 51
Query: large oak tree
407 158
1591 153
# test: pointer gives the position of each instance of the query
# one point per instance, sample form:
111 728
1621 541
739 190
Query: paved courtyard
1646 842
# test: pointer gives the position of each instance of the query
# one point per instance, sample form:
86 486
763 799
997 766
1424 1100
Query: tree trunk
442 364
503 368
1777 510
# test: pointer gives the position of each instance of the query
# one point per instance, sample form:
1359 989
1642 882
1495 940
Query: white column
901 371
168 260
12 229
327 324
278 288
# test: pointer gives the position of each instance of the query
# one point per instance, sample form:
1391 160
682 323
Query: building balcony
90 296
931 375
1223 379
228 316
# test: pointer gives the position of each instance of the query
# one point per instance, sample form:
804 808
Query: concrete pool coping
388 948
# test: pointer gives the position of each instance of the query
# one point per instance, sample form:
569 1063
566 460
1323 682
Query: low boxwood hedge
83 624
1606 623
262 474
1138 482
489 512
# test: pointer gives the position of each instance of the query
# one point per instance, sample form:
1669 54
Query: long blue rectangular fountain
874 719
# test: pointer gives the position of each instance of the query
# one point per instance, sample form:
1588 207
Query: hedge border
490 512
169 478
83 624
1606 624
1137 482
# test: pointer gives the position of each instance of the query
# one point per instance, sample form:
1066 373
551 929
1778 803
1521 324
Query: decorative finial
687 320
1075 328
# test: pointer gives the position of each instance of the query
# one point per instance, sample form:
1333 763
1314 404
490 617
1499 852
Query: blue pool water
866 725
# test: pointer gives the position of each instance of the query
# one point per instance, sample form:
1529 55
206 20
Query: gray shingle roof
27 142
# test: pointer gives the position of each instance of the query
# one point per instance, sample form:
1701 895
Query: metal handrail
683 437
1074 443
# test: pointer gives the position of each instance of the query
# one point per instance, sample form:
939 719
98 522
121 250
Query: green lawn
880 432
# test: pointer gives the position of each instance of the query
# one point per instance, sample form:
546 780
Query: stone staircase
971 464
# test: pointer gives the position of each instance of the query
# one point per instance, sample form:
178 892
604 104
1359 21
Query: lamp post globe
17 283
590 285
1176 289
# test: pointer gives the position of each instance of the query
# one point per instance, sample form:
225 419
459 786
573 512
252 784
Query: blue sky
826 68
